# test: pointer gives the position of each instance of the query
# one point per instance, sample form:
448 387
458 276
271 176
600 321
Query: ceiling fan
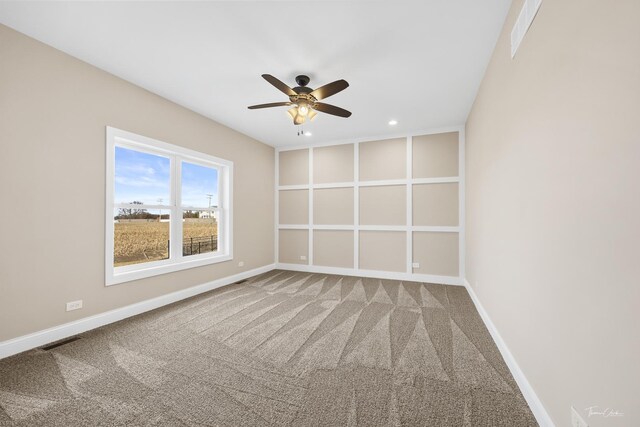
305 100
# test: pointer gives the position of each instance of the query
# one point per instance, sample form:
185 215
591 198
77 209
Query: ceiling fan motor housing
302 80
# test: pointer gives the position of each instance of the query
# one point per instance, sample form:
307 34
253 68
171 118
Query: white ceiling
419 62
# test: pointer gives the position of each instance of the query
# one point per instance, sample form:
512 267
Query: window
168 208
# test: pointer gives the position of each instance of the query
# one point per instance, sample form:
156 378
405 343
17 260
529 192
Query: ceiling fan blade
279 85
329 89
273 104
331 109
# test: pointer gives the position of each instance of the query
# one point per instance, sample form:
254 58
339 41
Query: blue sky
197 182
145 177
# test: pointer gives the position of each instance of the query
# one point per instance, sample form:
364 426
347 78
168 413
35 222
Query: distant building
209 214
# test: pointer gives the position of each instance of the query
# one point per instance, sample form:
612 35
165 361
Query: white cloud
141 181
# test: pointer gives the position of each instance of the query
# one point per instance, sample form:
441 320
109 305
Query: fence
198 245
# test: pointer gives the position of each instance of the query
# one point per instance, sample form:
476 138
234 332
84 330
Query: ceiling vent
525 18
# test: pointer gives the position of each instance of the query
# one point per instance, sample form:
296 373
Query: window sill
163 267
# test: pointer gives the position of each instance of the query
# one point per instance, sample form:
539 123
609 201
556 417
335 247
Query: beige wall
435 155
435 204
383 250
293 167
436 253
553 206
333 164
293 246
294 207
382 207
383 159
333 248
333 206
53 113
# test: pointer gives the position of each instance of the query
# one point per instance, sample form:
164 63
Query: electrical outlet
74 305
241 264
576 419
303 257
415 265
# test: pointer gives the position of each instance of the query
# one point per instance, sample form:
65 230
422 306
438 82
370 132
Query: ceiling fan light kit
305 101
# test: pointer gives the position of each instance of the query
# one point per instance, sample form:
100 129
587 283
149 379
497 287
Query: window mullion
176 211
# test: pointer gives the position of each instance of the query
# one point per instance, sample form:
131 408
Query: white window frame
177 155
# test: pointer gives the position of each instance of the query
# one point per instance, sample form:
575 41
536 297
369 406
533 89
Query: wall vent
525 18
59 343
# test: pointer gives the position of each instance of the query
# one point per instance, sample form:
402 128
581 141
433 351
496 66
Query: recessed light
307 133
393 122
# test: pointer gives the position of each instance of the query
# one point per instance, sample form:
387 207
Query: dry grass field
141 241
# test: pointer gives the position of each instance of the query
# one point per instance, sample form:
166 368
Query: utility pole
209 196
159 210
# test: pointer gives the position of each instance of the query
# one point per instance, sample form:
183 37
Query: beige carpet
283 348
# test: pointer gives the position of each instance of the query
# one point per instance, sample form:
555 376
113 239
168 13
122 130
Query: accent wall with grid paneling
391 208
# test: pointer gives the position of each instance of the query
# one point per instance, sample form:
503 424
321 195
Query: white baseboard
40 338
541 414
392 275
